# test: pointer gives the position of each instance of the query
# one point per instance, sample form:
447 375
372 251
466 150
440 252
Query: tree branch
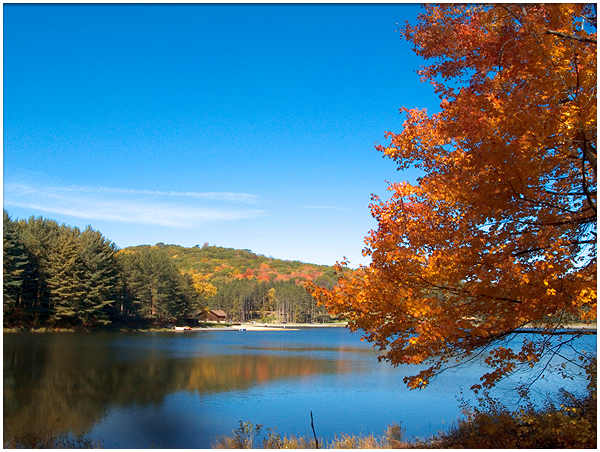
574 221
584 185
541 248
567 36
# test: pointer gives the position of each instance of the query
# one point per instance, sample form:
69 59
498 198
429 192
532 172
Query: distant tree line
280 301
61 276
57 275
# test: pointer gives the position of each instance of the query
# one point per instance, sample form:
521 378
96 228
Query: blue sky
246 126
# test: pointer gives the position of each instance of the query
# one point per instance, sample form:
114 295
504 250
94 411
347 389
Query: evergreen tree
65 280
100 277
158 290
15 264
40 236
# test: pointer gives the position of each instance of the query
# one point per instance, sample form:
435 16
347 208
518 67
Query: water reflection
184 391
55 384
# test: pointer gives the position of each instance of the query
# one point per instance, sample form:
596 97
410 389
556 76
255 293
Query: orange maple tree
500 229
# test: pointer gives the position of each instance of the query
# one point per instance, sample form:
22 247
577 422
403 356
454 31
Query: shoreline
257 326
569 328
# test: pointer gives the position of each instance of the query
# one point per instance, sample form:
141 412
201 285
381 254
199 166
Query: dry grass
570 425
251 436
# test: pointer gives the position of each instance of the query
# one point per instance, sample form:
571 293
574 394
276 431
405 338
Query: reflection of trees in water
55 384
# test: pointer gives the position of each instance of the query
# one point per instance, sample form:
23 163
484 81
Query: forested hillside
58 275
247 285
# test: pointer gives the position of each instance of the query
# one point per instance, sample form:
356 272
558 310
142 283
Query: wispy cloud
179 209
215 196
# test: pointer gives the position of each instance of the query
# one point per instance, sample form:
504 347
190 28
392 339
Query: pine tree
66 278
15 263
40 236
156 287
100 278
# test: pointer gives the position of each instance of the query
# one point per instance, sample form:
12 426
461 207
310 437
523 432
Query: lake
184 390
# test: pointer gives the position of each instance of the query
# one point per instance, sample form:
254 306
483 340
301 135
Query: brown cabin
213 315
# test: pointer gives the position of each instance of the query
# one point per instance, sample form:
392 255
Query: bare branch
584 183
566 36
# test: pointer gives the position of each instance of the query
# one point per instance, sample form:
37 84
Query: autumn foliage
500 229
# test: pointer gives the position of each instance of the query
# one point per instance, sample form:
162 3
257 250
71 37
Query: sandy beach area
257 326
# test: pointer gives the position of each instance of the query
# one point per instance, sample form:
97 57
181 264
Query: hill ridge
221 264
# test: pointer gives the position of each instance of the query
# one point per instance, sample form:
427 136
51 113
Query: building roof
215 312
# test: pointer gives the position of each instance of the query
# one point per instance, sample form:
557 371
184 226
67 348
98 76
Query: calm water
184 390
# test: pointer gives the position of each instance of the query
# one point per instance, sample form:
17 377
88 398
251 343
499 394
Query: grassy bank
572 424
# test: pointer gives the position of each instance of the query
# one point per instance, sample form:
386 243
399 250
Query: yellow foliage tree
500 230
271 298
201 286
